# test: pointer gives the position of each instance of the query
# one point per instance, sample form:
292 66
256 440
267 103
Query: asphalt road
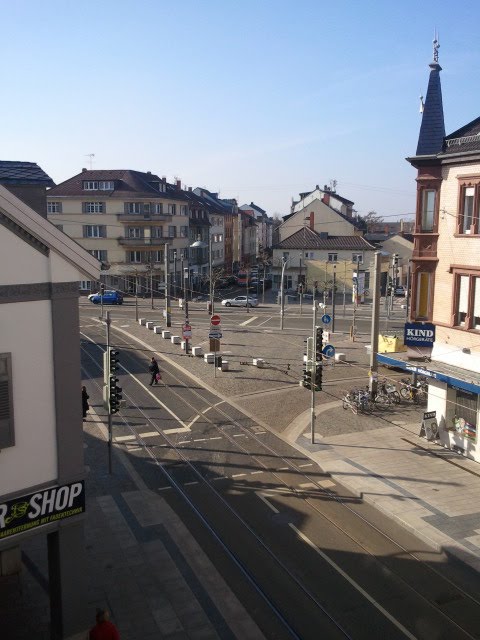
309 559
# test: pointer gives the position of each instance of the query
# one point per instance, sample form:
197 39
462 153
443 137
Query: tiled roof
460 140
307 239
129 184
15 172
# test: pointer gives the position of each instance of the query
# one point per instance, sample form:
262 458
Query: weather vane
436 46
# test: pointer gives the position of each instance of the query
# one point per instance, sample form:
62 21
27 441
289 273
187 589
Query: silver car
240 301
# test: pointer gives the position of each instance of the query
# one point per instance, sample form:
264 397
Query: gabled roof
306 238
467 138
128 184
21 173
32 227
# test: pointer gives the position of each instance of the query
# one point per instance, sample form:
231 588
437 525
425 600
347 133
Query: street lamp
200 244
282 292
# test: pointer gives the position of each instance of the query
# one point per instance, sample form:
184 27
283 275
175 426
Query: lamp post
167 289
200 244
174 274
333 296
282 292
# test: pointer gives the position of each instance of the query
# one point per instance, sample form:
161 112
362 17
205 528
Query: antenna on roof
90 156
333 185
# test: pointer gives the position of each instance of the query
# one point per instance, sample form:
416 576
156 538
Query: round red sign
215 320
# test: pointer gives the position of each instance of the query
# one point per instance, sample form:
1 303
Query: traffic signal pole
107 360
314 373
375 326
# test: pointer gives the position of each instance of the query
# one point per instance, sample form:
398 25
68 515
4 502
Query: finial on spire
436 46
422 104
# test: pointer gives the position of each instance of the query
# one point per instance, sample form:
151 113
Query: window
467 301
134 232
466 413
184 232
332 257
469 209
157 208
146 207
85 285
172 232
54 207
171 254
183 210
172 209
99 254
428 209
94 231
156 232
93 207
7 435
357 258
220 237
134 256
157 256
100 185
134 207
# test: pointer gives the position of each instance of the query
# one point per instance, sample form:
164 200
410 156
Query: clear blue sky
258 100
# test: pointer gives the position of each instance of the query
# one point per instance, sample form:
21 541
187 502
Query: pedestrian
104 629
85 405
154 370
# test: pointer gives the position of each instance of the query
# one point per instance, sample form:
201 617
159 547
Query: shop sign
419 334
40 508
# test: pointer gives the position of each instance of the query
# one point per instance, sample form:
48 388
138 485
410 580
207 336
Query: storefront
454 394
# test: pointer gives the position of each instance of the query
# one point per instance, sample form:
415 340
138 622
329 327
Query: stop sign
215 320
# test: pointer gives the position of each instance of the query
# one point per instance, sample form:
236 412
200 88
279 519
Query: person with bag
155 372
85 405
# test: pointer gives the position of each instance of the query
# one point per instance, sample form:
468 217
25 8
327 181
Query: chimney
83 170
190 188
149 173
179 185
326 197
164 179
312 220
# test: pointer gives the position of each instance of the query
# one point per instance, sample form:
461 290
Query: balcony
142 242
145 218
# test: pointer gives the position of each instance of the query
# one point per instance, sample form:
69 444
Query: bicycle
387 394
357 400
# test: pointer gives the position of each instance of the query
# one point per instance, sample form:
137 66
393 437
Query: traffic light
307 379
318 376
102 289
318 344
114 392
300 288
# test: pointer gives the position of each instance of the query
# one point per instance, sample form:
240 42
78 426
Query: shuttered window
7 435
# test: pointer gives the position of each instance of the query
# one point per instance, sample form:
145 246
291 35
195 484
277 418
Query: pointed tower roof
432 130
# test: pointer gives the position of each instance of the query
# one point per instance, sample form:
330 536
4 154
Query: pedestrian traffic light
318 344
307 379
318 376
300 288
114 392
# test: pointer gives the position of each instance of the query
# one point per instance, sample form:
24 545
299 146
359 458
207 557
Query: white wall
27 334
19 262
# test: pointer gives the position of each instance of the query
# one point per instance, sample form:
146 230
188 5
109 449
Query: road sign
215 320
215 334
187 331
326 319
328 351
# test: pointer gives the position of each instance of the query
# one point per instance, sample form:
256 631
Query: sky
258 100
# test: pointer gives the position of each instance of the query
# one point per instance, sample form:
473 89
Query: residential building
42 470
28 182
125 219
263 237
445 296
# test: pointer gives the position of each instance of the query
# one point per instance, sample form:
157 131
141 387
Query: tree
371 220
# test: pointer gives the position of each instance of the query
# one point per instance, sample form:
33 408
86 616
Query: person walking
85 405
104 629
154 370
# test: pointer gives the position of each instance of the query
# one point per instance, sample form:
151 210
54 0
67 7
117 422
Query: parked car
109 297
399 291
240 301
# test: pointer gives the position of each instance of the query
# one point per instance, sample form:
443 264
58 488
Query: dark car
109 297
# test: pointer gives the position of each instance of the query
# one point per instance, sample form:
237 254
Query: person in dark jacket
85 405
154 369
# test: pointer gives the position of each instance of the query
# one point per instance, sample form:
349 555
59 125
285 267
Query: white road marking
193 421
179 430
185 484
184 442
283 469
263 498
307 485
326 484
308 464
255 472
163 488
352 582
134 448
242 324
149 434
124 438
238 475
199 439
216 438
239 435
220 478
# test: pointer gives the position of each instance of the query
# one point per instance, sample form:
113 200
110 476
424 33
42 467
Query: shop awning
453 376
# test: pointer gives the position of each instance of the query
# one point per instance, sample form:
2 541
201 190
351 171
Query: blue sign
419 334
328 351
326 319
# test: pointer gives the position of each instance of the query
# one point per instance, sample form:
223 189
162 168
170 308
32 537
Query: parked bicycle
387 394
417 393
357 400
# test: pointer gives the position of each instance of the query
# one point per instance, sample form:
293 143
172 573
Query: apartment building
445 300
126 219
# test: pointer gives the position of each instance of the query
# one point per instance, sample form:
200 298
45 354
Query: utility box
390 344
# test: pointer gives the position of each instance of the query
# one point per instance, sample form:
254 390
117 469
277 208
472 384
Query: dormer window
98 185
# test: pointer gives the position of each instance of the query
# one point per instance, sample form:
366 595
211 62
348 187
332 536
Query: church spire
432 129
